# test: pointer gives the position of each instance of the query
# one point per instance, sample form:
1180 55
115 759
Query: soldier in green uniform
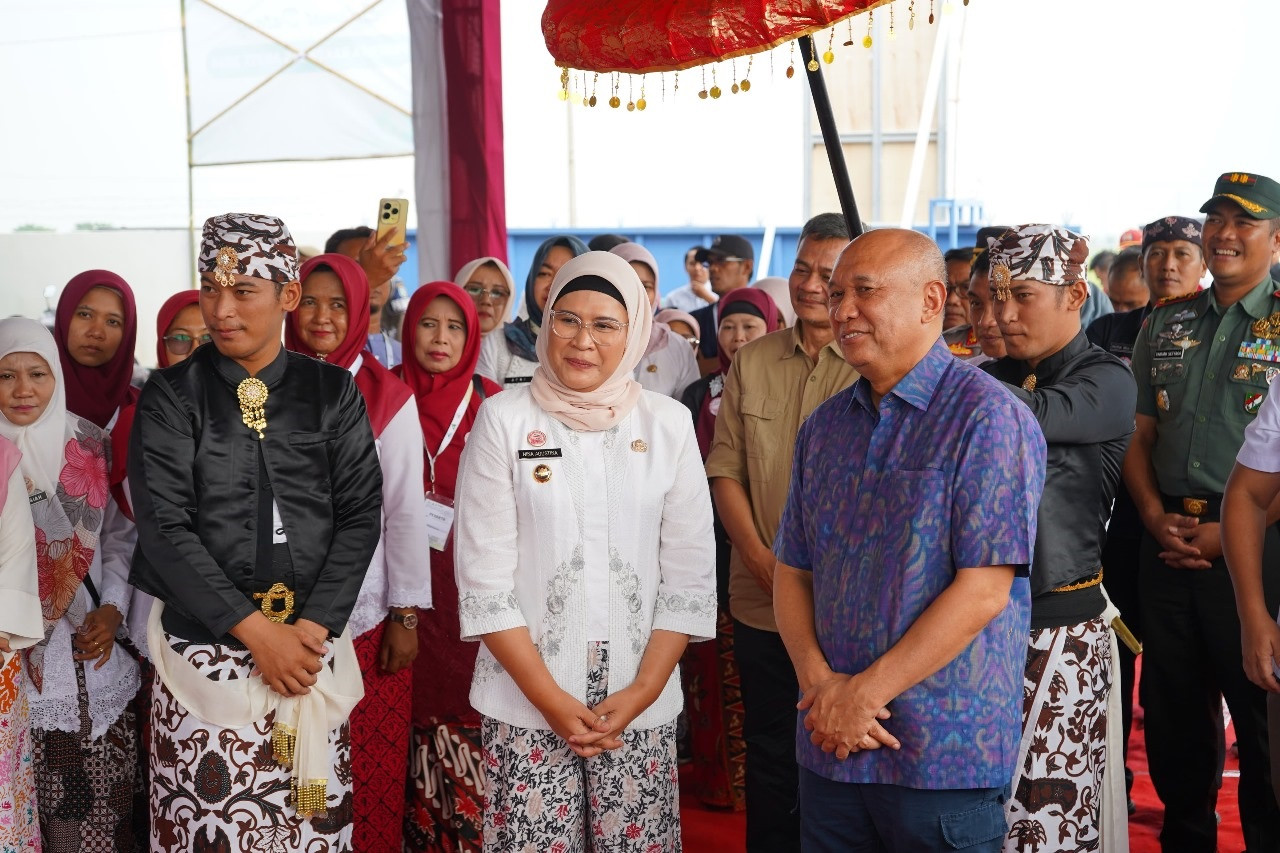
1203 363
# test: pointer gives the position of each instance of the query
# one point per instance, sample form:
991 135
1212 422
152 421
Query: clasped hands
1186 542
591 731
842 717
288 657
96 637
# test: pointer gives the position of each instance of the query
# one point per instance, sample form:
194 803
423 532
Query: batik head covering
1043 253
440 394
64 461
660 336
248 244
384 394
96 393
606 406
469 269
1172 228
169 311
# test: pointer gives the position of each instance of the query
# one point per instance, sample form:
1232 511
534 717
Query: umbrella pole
831 138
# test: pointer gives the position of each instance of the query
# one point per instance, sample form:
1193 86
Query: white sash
237 703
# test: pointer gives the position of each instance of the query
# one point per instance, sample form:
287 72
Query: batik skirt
543 797
218 788
379 748
1058 784
713 707
19 824
84 786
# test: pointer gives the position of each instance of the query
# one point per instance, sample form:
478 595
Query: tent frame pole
831 138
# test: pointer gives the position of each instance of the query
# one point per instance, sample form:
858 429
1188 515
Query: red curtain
472 43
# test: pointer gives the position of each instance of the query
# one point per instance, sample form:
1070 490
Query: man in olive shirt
1203 363
775 382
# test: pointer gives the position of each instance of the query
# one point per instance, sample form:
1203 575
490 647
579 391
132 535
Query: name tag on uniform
542 453
1171 352
517 380
37 496
439 520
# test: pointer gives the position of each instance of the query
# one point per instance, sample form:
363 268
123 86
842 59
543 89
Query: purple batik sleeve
791 544
999 480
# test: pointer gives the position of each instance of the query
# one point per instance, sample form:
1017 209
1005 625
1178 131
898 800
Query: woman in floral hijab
78 681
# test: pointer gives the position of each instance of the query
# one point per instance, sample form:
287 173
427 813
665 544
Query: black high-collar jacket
1084 401
195 476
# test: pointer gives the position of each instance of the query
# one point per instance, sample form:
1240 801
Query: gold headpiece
253 401
228 265
1001 280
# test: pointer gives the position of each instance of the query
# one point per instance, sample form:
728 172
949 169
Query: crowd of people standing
871 547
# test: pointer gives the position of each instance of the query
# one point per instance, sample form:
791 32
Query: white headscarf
469 269
617 396
41 442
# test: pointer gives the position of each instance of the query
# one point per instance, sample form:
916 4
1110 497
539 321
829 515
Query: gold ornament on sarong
228 264
1001 281
253 401
309 798
278 593
1029 384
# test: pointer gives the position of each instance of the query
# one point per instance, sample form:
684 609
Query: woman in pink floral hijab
79 681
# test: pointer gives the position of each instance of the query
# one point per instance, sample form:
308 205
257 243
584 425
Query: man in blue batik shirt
901 587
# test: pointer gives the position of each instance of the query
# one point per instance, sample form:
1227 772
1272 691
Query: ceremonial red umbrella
643 36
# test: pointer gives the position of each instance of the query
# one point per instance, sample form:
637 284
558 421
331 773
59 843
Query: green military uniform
1203 370
1202 373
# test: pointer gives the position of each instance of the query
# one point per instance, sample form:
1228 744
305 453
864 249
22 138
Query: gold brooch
1029 384
278 593
228 265
639 446
253 401
1001 279
542 473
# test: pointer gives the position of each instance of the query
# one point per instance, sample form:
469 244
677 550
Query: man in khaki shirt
775 382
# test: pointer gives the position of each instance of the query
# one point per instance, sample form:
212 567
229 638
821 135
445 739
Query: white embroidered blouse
579 537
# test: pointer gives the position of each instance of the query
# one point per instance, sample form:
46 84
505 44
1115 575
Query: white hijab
606 406
469 269
42 442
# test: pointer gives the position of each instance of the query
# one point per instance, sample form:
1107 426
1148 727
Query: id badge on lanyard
439 509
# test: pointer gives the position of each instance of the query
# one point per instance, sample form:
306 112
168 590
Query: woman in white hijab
584 561
668 365
78 681
490 285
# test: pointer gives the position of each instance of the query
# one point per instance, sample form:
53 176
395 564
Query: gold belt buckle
1195 506
278 593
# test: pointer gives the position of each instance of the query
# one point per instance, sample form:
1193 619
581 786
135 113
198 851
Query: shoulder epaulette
1174 300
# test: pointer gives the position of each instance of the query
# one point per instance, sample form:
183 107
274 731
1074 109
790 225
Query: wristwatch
408 620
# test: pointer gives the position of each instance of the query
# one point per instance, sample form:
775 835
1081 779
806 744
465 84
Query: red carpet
709 831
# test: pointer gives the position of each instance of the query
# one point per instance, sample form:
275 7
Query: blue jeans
844 817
